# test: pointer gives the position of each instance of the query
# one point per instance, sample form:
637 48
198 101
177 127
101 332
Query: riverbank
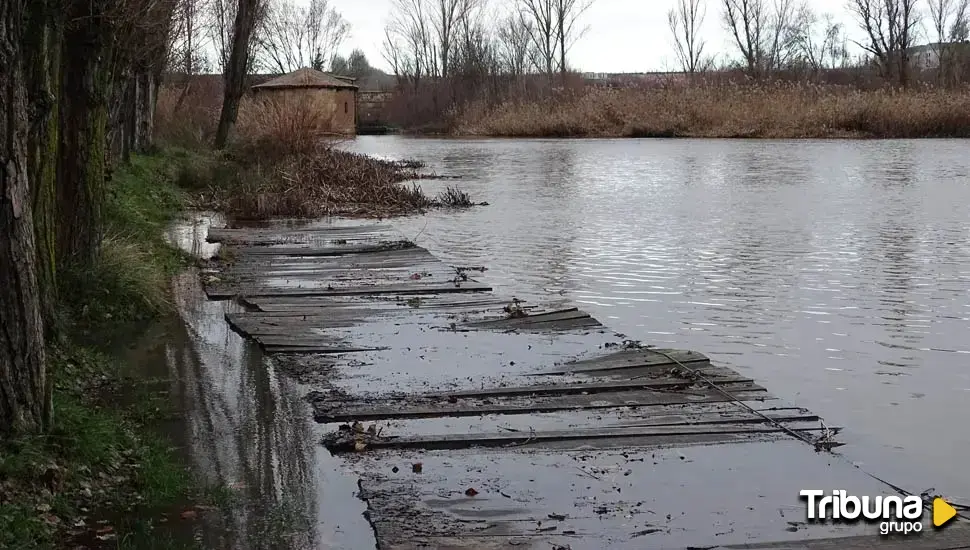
282 163
105 475
779 111
109 470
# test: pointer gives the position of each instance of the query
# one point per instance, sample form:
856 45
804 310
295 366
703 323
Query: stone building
335 96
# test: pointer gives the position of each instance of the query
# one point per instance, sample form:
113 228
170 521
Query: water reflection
246 428
836 273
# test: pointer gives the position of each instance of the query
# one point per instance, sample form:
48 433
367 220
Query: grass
103 475
774 110
130 280
454 198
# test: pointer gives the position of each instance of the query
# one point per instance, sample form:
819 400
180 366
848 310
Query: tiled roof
304 78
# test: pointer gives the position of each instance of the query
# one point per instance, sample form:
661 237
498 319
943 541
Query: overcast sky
624 35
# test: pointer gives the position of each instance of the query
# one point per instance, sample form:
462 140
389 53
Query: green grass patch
130 280
101 471
104 475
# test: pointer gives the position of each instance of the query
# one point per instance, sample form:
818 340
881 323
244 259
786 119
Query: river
835 273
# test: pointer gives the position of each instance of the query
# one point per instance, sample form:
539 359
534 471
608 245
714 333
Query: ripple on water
765 255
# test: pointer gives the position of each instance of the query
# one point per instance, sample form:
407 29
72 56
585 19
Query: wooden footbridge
478 421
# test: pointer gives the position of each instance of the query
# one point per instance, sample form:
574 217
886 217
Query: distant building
336 96
925 57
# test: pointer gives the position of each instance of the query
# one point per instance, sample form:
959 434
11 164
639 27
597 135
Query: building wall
336 105
370 106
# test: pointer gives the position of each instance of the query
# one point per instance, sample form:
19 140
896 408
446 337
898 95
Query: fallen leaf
470 492
416 467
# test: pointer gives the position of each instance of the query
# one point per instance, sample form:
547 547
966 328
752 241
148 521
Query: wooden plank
217 293
416 258
341 442
583 388
630 359
251 235
318 349
547 317
339 411
308 251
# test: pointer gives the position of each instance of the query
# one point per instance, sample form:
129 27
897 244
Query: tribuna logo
895 514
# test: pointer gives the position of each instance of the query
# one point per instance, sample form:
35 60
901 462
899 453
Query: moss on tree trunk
22 352
86 73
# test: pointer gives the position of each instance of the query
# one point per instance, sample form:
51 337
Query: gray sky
624 35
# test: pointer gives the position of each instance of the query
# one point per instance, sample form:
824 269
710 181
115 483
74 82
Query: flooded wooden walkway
478 421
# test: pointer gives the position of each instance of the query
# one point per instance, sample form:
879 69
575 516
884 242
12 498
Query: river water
835 273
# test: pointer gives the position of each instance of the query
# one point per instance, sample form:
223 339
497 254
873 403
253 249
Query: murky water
835 273
246 427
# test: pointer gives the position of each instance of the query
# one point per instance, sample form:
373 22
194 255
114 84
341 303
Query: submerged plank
534 319
326 410
581 388
346 441
223 292
273 235
313 251
631 359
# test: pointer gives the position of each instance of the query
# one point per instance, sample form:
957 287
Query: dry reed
290 166
780 110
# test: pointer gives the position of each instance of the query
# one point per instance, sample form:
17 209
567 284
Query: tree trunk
144 111
42 52
126 123
84 124
235 77
22 353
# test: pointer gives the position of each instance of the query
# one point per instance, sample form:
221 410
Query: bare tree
248 13
764 32
747 20
295 36
187 49
890 28
446 16
821 42
949 21
513 40
568 31
355 65
409 44
685 20
475 56
221 16
540 16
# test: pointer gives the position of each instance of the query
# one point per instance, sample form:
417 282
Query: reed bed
282 162
782 110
